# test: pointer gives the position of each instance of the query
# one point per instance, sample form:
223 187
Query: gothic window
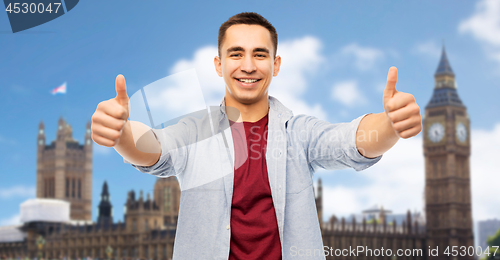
167 199
49 187
52 189
73 188
67 187
79 189
134 225
146 225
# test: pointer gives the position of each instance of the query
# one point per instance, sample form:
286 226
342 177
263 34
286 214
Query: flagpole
65 93
65 104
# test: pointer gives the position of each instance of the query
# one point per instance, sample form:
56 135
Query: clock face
461 132
436 132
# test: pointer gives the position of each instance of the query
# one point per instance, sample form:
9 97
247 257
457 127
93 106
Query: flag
61 89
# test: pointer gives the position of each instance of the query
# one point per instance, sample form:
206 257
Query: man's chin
247 99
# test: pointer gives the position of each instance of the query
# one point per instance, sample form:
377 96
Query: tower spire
105 215
105 191
444 67
445 89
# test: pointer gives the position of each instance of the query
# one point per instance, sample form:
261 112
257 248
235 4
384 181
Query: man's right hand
111 116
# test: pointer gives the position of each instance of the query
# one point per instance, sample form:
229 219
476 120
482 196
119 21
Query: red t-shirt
254 228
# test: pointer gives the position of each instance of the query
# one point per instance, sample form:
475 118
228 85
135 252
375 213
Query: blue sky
337 53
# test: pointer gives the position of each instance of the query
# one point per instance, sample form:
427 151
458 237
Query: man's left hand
401 108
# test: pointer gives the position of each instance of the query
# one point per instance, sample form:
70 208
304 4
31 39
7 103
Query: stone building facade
64 169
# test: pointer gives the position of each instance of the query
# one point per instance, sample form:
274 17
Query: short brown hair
248 18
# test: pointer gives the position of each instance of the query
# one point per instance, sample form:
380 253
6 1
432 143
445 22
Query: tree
494 245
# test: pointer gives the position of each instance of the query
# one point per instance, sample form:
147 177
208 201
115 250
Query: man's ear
277 64
217 65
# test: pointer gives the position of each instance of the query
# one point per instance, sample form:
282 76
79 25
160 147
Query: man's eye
261 55
235 55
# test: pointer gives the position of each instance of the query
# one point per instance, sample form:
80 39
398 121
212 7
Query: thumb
121 91
390 87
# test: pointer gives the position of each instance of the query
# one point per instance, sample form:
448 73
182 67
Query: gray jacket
199 151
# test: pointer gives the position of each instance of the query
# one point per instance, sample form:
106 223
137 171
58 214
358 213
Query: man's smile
247 80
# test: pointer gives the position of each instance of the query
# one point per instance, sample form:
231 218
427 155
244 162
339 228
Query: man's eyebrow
261 50
239 48
236 48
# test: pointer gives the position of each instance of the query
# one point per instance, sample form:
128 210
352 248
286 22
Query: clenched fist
111 116
401 108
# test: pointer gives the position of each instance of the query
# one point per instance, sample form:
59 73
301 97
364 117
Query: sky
335 59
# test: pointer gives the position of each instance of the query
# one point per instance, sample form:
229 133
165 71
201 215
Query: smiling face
247 64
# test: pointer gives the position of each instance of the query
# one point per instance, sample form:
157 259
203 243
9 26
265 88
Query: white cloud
485 175
348 93
171 97
484 25
190 86
17 191
300 58
365 57
429 48
397 182
13 220
203 61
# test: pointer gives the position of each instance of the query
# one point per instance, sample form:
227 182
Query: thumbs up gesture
401 108
111 116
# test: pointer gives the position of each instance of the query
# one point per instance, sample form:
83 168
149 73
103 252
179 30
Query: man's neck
246 112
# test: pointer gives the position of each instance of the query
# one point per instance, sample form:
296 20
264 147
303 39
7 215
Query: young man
247 189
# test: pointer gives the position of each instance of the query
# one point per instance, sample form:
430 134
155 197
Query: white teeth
248 80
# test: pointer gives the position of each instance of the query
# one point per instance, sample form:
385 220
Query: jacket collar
283 112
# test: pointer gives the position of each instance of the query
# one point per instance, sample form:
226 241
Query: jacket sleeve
174 142
333 146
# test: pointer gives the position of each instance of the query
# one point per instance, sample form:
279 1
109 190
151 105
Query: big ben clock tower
447 175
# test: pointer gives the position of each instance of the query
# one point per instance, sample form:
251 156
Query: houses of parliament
64 173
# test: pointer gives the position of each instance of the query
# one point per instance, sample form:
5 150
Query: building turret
105 215
167 194
45 186
142 215
64 170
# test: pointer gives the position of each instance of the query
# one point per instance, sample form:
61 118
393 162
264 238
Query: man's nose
248 64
